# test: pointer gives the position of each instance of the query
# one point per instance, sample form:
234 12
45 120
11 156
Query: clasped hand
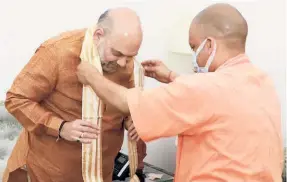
80 131
133 134
157 70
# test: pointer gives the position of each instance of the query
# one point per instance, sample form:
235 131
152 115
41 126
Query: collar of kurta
239 59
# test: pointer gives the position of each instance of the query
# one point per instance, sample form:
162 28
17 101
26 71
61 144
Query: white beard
109 67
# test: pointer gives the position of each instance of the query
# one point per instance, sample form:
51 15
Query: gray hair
105 22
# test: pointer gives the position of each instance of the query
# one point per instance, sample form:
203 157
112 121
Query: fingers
150 74
89 124
150 63
131 127
83 140
83 137
86 141
86 129
149 68
133 133
135 138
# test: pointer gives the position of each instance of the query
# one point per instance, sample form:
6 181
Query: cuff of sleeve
53 127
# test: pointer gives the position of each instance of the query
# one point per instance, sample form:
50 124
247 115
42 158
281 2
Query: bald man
46 98
226 115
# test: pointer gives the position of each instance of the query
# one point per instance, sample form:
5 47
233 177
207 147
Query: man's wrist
93 76
61 128
53 126
172 76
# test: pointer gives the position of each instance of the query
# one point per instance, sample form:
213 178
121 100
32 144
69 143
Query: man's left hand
133 134
84 70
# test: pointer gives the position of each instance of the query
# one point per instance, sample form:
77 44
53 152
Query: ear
98 34
210 44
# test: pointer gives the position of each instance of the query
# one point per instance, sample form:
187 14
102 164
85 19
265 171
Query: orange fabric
19 175
228 122
46 92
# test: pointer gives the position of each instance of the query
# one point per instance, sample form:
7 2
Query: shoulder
207 86
70 41
200 81
64 46
65 38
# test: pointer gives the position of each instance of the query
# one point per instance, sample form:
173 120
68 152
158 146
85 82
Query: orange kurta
228 122
45 93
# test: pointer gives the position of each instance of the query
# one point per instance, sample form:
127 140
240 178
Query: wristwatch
60 129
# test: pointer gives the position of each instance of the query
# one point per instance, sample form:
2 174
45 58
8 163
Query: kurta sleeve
34 83
171 109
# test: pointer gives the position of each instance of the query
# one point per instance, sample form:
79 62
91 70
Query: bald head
118 36
223 22
120 20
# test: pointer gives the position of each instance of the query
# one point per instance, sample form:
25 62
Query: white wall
25 24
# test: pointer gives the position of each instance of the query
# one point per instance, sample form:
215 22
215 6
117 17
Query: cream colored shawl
92 111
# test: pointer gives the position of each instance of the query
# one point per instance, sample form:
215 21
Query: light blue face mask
204 69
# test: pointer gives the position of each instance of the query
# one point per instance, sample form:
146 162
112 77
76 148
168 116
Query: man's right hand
157 70
79 130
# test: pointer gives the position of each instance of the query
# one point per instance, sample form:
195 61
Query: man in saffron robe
226 115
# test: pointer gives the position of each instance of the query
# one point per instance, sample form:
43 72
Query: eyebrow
121 54
117 52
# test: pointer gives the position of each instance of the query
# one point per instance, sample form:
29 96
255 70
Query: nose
122 62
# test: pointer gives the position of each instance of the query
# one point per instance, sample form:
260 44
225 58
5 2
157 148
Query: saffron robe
228 122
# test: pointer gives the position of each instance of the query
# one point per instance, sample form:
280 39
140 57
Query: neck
223 57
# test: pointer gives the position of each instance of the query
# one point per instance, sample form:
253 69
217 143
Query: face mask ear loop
195 64
211 57
200 47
